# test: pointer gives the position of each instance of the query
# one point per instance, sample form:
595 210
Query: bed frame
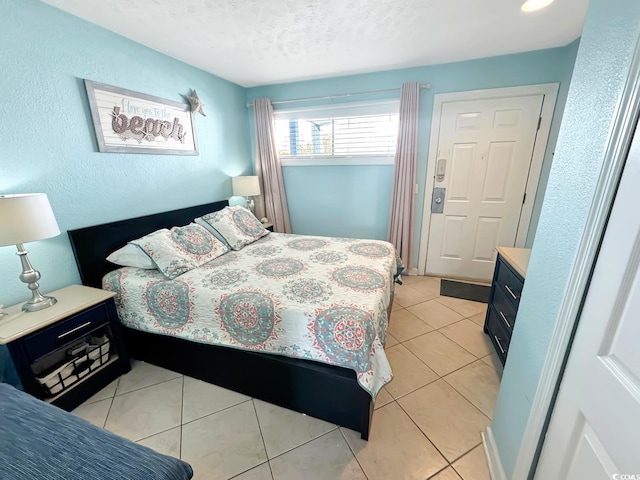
324 391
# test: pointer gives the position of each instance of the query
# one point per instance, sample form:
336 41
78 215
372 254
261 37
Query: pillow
131 256
237 225
181 249
211 230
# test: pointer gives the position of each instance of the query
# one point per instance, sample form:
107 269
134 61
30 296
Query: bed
310 374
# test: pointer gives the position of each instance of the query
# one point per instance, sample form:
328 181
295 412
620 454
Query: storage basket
87 358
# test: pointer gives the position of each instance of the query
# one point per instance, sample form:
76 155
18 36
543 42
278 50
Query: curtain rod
342 95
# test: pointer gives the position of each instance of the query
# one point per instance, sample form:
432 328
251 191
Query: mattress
315 298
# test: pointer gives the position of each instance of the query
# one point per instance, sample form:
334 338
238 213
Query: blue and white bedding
315 298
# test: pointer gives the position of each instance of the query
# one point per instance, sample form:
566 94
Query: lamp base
41 303
30 276
251 205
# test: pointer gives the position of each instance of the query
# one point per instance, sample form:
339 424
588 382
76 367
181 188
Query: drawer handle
505 319
499 344
510 291
62 335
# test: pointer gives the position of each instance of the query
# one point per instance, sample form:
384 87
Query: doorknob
437 205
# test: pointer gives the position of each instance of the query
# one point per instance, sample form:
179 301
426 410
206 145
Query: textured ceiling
259 42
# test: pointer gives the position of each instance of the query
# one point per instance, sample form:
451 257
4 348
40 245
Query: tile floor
426 424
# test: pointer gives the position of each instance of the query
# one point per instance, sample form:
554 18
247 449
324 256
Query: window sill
335 161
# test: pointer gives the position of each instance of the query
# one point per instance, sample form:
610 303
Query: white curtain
403 199
273 201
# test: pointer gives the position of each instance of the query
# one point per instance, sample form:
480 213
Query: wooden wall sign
133 122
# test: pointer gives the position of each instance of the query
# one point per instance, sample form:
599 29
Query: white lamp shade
25 218
245 186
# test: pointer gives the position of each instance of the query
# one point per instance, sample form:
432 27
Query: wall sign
133 122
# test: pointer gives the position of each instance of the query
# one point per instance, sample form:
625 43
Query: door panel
488 145
499 162
506 118
590 458
454 228
468 121
600 391
487 235
461 172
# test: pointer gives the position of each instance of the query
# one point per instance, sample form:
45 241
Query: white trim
493 455
620 137
325 160
550 92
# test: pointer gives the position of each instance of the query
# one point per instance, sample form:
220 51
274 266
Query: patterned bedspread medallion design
307 243
264 251
370 249
306 290
169 303
192 240
247 223
224 278
345 334
249 317
361 279
316 298
280 267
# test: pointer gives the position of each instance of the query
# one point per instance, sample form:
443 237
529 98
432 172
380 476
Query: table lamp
247 187
25 218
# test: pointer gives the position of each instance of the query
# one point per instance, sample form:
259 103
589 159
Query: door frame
550 92
621 135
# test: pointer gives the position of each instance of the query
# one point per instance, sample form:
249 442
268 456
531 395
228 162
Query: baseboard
493 457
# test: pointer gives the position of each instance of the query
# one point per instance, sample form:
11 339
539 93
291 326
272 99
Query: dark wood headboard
92 245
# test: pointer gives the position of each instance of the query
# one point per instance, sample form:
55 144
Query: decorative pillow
211 230
237 225
181 249
132 256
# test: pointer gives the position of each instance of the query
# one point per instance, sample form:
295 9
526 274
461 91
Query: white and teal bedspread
316 298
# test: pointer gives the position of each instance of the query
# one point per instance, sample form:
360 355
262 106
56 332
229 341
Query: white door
594 431
484 155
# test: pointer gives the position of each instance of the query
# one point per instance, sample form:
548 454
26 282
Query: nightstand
66 353
268 226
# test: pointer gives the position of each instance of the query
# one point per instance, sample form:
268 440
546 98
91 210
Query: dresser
504 298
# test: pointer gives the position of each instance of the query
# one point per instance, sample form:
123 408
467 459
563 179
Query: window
344 134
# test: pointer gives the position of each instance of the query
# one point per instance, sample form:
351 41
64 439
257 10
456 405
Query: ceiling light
533 5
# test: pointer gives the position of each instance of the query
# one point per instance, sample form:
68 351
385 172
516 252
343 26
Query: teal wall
48 139
348 201
356 199
610 35
563 91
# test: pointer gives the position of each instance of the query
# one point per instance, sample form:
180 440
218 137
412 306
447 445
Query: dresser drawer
509 283
47 340
497 334
505 310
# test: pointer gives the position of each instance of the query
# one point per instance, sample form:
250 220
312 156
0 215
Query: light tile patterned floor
426 424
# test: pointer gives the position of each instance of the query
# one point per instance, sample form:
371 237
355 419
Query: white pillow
132 256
